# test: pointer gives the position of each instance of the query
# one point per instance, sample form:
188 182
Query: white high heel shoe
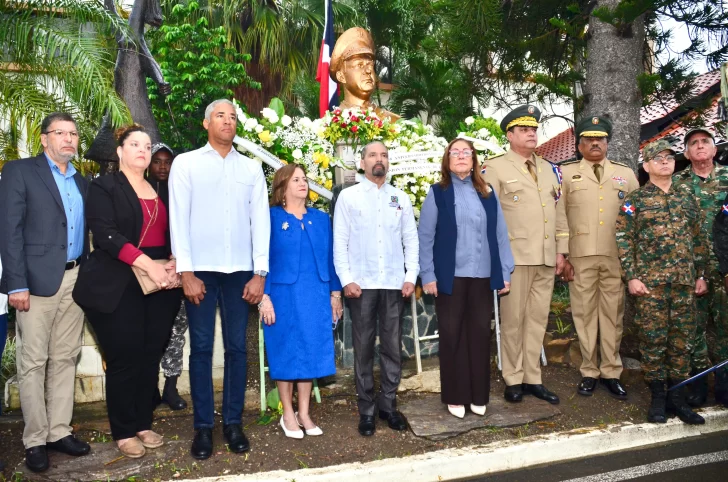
478 409
457 410
297 434
314 432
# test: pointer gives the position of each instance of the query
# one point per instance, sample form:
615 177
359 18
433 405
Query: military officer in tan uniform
528 188
594 189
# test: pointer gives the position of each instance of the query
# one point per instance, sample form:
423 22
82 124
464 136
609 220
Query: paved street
702 458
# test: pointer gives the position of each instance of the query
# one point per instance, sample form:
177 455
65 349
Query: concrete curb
453 464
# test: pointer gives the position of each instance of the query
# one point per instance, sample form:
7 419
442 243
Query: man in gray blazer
43 239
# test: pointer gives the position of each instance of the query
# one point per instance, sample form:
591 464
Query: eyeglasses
463 153
659 159
59 133
361 64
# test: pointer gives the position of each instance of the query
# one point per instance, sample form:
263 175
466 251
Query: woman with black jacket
129 224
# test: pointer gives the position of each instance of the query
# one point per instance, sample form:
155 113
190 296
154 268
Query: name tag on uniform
512 180
394 202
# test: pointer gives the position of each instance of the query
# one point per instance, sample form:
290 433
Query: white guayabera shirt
219 219
375 237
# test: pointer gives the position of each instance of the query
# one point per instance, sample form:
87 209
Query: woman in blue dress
302 298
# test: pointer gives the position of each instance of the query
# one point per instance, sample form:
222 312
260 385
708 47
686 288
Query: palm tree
57 56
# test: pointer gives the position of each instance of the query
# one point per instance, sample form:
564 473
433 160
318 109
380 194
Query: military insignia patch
595 120
531 109
619 179
576 176
628 209
620 195
725 209
515 198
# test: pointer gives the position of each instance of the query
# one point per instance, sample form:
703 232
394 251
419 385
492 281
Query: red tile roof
562 147
677 130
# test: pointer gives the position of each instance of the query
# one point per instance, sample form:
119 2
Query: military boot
656 412
698 391
721 386
676 405
171 397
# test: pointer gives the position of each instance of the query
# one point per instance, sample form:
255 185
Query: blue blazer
285 247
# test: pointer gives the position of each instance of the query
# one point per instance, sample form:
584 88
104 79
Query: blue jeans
227 290
3 337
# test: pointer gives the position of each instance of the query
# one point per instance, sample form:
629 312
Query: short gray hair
213 104
364 149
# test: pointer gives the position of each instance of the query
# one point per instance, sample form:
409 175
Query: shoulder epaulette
494 157
622 164
573 161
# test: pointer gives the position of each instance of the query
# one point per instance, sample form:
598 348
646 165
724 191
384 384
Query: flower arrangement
485 130
311 143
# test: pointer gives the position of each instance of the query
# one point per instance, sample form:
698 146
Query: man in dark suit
43 239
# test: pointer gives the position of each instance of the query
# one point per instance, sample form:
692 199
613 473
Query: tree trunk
614 60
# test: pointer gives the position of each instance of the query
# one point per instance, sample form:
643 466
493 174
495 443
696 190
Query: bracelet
260 305
338 297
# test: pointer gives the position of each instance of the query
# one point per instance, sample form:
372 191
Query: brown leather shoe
131 447
150 439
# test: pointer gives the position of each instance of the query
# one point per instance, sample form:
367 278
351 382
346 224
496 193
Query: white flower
469 120
412 197
297 154
250 124
422 199
286 121
269 114
259 128
483 133
414 189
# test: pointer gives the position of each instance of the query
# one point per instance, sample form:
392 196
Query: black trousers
387 306
464 327
132 339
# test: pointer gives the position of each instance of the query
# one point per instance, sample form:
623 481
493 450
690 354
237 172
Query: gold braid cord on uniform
526 121
593 134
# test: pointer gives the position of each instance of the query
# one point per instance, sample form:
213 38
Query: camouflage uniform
172 359
709 194
720 248
661 243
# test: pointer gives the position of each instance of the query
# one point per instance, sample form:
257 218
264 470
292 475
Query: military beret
594 127
695 130
654 148
161 145
355 41
523 115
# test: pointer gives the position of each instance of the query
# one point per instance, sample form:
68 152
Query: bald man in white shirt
376 256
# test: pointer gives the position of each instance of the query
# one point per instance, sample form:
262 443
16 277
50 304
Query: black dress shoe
586 386
236 439
513 393
539 391
202 444
367 426
36 458
614 388
394 420
69 445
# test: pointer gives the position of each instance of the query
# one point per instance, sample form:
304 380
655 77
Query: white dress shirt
219 218
375 237
3 298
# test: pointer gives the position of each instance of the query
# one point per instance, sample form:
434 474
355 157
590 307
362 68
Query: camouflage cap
695 130
523 115
653 148
594 127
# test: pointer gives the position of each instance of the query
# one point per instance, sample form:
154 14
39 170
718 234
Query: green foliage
200 68
58 57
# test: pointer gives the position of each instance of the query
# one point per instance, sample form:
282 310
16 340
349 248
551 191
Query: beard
378 170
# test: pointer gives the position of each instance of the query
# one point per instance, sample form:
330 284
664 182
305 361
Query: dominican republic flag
628 209
329 95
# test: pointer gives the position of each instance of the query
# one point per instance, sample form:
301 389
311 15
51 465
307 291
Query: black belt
71 264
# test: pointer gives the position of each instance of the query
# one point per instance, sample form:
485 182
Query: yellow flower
328 184
264 136
312 196
325 162
318 157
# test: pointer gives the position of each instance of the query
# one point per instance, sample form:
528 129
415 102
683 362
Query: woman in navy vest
302 298
464 255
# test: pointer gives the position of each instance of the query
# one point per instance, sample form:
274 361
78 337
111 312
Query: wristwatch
261 273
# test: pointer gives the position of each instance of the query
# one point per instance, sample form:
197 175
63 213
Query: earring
284 202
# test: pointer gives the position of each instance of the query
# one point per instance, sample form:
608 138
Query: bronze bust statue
352 66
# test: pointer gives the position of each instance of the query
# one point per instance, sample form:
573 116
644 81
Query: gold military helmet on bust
352 66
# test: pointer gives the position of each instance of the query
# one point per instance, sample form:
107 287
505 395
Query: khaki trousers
597 305
49 341
524 316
